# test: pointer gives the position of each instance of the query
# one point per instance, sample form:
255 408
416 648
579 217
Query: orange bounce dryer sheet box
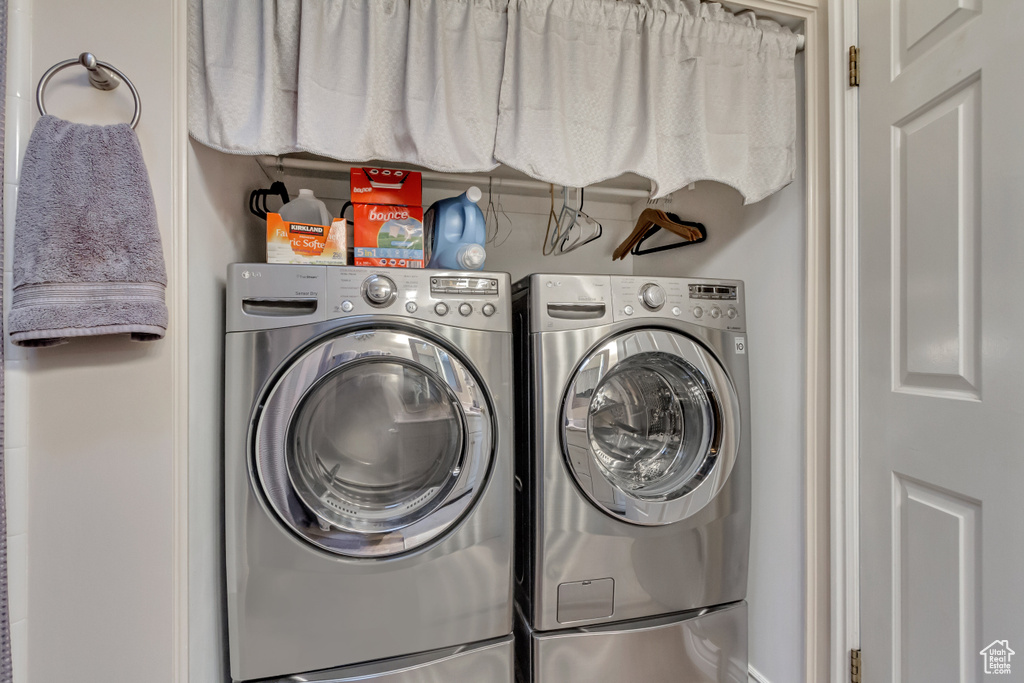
390 236
388 217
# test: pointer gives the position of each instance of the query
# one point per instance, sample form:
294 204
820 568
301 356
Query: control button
441 308
676 310
652 296
697 311
732 313
411 306
628 310
465 309
488 310
379 290
346 306
716 312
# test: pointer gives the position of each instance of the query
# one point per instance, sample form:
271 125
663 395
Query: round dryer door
373 443
651 426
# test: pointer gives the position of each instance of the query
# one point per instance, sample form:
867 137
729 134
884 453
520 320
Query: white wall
17 126
763 245
221 231
101 411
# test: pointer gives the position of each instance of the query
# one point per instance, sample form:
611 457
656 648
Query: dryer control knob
379 290
732 313
441 308
488 310
652 296
716 312
697 311
465 309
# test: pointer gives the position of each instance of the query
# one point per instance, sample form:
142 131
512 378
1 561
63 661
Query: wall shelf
625 189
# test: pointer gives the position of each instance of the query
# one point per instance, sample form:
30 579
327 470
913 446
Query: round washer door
651 426
373 443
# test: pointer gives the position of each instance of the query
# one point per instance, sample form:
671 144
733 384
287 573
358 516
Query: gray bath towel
87 254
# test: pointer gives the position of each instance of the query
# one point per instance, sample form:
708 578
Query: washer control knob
465 309
347 306
488 310
698 311
732 313
411 306
441 308
676 310
628 310
716 312
379 290
652 296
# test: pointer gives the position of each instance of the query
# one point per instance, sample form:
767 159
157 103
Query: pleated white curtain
568 91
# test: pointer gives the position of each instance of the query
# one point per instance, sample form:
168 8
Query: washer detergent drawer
690 648
486 662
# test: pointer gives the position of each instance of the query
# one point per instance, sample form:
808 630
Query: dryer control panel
567 302
711 303
266 296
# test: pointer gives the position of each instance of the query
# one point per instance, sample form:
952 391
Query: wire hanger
500 211
577 234
258 198
490 214
548 247
564 221
652 221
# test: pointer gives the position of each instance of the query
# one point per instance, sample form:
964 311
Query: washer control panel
711 303
265 296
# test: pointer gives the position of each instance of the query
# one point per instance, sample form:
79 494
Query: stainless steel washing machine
632 475
368 474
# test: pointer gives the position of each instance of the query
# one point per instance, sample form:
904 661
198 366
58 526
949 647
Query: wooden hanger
652 220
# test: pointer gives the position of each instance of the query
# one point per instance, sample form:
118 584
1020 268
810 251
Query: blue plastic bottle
458 233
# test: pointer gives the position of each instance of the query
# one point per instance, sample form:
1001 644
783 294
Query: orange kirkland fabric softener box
306 243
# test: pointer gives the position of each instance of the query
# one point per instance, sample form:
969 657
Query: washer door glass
651 426
373 443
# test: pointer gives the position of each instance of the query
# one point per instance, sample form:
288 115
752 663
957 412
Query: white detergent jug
306 208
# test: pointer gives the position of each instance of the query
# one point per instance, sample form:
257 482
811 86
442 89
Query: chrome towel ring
102 76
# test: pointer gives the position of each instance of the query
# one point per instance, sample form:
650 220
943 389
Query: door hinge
854 666
854 66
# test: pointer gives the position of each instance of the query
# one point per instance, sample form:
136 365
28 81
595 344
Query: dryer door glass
373 442
651 426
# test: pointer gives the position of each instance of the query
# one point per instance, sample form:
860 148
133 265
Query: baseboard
756 676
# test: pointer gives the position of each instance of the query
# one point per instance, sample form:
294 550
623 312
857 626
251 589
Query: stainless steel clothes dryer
632 461
368 473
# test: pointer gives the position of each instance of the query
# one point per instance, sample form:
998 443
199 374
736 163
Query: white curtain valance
677 95
569 91
415 81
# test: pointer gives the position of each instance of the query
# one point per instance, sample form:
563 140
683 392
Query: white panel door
942 358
